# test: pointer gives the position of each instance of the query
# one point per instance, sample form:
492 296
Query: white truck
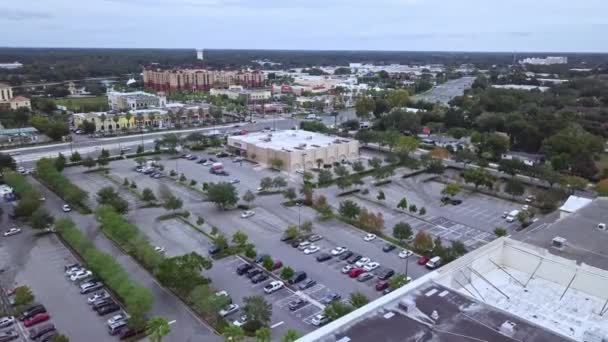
512 216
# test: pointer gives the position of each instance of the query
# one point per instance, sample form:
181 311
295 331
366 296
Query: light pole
407 262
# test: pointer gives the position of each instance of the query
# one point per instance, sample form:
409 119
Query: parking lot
38 261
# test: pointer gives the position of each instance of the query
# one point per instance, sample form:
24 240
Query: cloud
20 15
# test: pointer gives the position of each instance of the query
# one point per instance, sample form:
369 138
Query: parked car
101 303
297 277
115 328
319 320
323 257
406 253
253 272
338 250
258 278
7 321
118 318
353 259
365 276
108 309
388 247
314 238
214 249
40 330
423 260
243 268
362 262
381 285
307 284
12 231
234 181
201 161
277 264
260 258
98 296
369 237
30 312
370 266
296 242
303 245
347 268
456 202
247 213
229 310
80 275
71 271
296 304
385 273
37 318
312 249
345 255
126 333
273 286
66 208
433 263
239 322
90 286
329 298
355 272
8 335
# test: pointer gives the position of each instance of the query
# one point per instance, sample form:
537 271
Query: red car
277 264
355 272
39 318
381 285
423 260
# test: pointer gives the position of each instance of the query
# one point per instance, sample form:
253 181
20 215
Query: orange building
200 79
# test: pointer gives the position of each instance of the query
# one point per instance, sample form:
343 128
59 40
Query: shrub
200 221
499 231
61 185
286 273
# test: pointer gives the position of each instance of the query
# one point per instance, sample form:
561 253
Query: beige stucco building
297 149
8 101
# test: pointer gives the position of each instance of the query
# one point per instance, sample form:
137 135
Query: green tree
451 189
249 197
60 162
358 299
358 166
364 106
324 177
75 157
402 231
222 194
267 263
257 309
23 295
422 211
147 195
398 98
157 328
183 272
349 209
499 231
266 183
287 272
7 162
381 196
397 281
290 194
478 177
337 309
41 219
109 196
263 335
290 336
423 241
60 338
374 163
402 204
239 238
514 188
291 231
341 171
276 163
233 333
89 162
279 182
140 161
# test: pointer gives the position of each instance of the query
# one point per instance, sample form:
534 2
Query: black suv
32 311
258 278
243 268
385 274
354 258
296 304
388 247
252 273
297 277
324 257
346 255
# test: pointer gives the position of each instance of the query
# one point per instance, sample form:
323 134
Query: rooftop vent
558 242
508 328
601 226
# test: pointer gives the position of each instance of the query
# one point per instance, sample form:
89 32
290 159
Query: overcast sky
453 25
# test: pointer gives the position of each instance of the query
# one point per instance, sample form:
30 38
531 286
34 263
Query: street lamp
407 262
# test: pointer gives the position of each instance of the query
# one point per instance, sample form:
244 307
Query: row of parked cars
34 317
100 301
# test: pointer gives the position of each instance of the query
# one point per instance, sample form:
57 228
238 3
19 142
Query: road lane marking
172 322
276 324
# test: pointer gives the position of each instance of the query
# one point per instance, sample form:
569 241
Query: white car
208 163
98 296
362 262
319 319
273 286
66 208
247 213
312 249
369 237
347 268
371 266
7 321
74 270
12 231
124 148
117 318
232 308
338 250
159 249
303 245
82 274
241 321
525 207
406 253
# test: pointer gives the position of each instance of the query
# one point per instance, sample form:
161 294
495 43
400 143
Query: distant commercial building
200 79
134 100
200 54
297 149
545 61
234 92
10 66
8 101
520 87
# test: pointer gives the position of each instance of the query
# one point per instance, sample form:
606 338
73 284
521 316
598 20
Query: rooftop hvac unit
601 226
302 145
558 242
508 328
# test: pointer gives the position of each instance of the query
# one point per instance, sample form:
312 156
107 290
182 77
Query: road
187 326
445 92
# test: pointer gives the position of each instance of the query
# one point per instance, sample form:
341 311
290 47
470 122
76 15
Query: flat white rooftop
292 140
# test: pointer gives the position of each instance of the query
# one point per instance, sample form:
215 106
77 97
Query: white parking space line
276 325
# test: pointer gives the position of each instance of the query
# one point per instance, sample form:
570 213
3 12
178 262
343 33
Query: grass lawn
95 103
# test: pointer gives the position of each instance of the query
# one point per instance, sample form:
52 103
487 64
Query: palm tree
263 335
128 116
201 115
103 119
319 162
171 116
180 113
290 336
140 119
151 118
116 118
157 328
189 115
233 333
